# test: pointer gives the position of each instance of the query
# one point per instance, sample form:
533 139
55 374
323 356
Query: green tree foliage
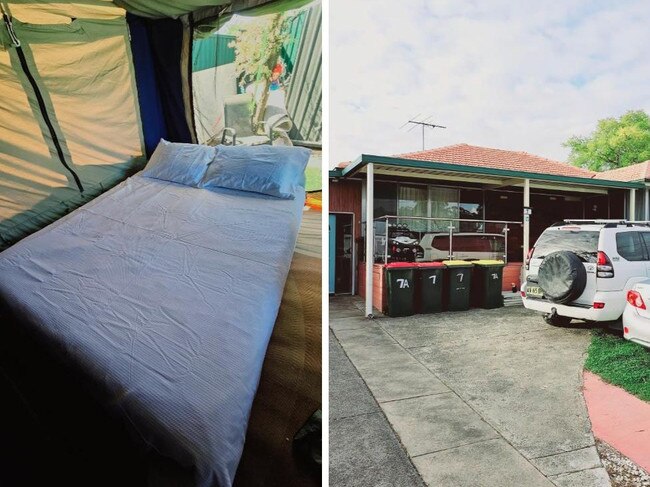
257 50
616 142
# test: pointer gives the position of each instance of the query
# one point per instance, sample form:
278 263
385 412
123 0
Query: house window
412 201
385 199
471 208
444 204
415 200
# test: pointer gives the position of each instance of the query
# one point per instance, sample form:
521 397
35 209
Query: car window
471 243
440 242
583 243
629 246
645 236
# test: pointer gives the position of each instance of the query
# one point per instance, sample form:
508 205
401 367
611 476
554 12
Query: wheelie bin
487 284
430 278
457 285
400 288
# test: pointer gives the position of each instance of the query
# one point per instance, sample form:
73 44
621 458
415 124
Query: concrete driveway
476 398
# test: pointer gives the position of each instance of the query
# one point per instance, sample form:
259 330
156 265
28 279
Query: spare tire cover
562 276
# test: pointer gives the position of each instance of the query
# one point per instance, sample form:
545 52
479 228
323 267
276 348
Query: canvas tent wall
88 88
69 118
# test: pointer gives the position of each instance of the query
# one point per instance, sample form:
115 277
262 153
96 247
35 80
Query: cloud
510 75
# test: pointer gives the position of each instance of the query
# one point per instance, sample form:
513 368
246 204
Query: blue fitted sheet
166 296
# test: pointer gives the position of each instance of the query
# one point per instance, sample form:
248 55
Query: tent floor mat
290 386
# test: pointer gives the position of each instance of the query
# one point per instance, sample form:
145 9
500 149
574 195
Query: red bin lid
401 264
430 264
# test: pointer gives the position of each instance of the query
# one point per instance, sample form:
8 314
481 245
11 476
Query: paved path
364 450
477 398
619 419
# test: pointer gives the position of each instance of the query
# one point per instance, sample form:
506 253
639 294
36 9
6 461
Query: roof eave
365 159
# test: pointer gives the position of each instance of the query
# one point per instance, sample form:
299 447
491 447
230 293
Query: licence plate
534 291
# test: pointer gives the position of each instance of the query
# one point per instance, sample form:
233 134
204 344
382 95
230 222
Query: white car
583 269
464 246
636 317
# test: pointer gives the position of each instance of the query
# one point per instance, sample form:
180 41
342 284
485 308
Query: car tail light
626 330
604 268
529 256
599 305
635 299
523 293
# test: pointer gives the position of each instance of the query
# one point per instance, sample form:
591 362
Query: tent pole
370 204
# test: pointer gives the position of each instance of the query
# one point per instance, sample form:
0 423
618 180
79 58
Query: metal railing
451 227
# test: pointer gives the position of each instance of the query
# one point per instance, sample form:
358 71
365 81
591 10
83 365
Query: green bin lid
489 262
457 263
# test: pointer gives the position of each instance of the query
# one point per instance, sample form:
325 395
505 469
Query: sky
496 73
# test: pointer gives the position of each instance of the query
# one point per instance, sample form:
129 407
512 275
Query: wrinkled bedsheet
166 296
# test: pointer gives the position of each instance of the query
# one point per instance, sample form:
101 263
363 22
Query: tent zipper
39 97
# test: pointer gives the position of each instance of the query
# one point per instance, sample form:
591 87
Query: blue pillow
274 170
180 163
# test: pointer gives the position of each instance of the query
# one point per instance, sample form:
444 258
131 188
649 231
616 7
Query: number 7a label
403 283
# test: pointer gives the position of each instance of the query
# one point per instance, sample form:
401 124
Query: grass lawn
620 362
314 178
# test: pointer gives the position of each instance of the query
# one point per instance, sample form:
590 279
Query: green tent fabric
166 8
69 118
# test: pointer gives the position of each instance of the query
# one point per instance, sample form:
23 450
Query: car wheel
557 320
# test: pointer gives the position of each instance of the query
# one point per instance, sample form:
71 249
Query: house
471 189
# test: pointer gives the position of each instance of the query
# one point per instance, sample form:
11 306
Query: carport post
632 214
646 201
370 240
526 218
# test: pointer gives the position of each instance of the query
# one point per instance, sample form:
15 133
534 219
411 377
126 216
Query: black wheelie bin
430 281
458 281
487 283
400 288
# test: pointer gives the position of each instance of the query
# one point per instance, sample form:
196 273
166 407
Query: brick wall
377 284
511 274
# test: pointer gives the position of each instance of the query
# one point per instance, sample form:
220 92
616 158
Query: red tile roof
635 172
472 155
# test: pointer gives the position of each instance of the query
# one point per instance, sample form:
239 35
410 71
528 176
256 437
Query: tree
615 143
257 50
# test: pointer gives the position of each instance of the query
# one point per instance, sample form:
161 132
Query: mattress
165 296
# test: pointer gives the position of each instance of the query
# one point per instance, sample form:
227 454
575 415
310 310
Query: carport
515 186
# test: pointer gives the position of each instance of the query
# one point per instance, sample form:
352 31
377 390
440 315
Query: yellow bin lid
489 262
457 263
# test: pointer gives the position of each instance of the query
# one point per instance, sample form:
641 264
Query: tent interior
89 88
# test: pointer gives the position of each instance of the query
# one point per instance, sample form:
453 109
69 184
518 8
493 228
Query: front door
341 240
332 253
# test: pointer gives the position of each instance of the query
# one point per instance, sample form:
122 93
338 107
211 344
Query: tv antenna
423 123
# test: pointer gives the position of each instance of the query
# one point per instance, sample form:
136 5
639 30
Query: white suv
583 269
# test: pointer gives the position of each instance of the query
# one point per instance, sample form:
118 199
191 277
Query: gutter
365 159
